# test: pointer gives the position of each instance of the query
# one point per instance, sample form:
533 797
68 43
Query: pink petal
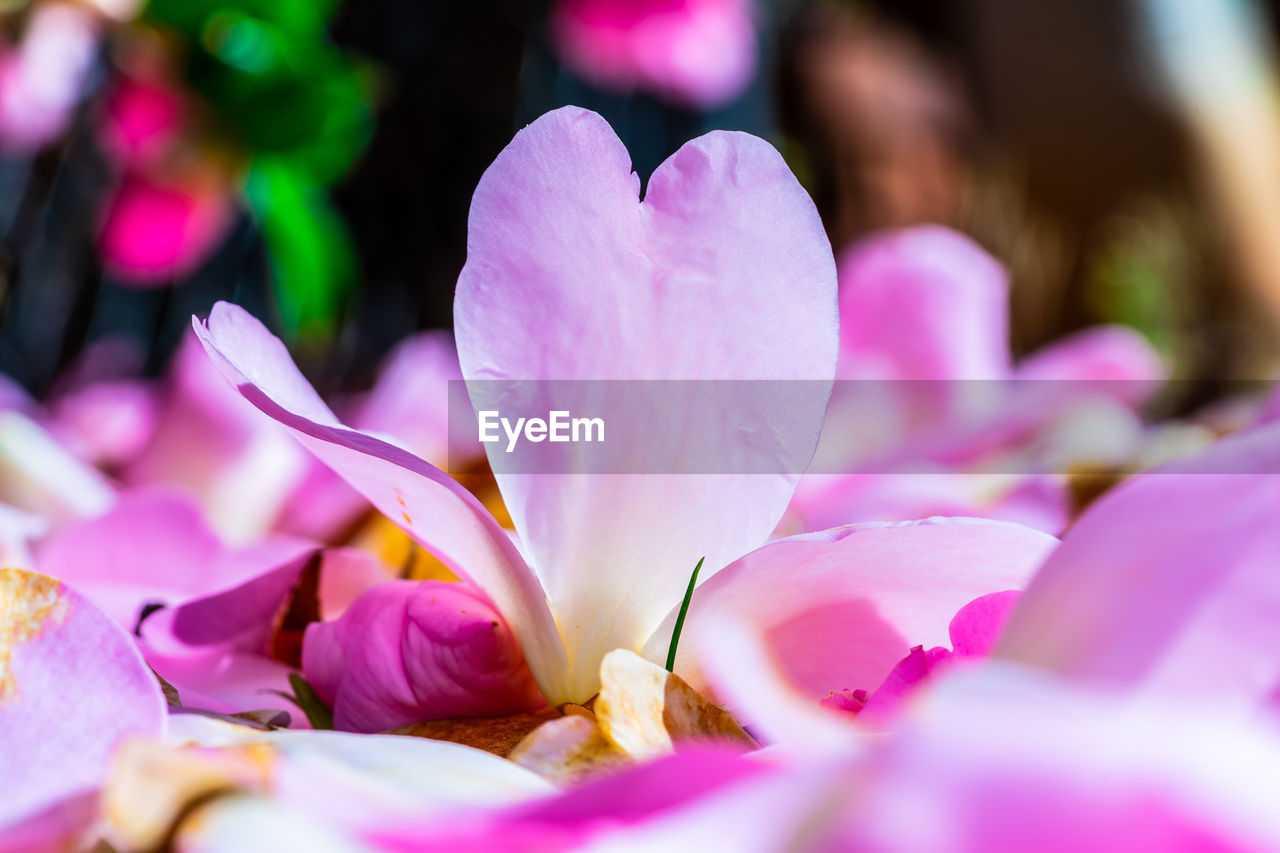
841 608
913 671
573 818
411 399
217 678
570 277
698 52
823 501
241 468
152 547
978 625
1168 581
72 684
922 303
406 652
1103 353
435 510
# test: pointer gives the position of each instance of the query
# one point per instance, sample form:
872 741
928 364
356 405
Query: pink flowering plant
237 616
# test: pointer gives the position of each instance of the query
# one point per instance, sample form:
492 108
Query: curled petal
409 651
435 510
840 608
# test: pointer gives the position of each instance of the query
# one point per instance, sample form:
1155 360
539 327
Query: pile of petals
236 616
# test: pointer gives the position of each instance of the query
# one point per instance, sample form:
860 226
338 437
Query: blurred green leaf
313 259
295 17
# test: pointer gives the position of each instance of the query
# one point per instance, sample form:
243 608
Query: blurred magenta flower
699 53
158 228
143 117
555 222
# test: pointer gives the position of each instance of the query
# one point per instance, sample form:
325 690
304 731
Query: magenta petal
406 652
1168 582
910 673
697 52
977 626
722 272
841 608
72 684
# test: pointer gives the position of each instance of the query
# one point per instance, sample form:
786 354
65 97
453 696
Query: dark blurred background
1078 140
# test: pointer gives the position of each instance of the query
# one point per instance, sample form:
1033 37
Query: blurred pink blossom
158 229
700 53
42 77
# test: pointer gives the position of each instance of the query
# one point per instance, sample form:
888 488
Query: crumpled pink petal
841 608
696 52
72 684
406 652
570 276
1167 583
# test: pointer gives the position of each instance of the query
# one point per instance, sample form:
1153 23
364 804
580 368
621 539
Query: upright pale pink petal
925 303
72 684
696 52
1168 582
722 272
841 608
435 510
407 652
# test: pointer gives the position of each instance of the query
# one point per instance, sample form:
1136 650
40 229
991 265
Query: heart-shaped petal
723 272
